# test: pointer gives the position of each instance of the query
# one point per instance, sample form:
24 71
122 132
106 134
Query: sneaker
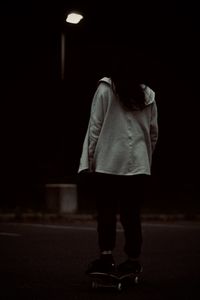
130 266
105 264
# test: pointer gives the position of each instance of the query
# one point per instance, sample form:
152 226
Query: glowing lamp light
74 18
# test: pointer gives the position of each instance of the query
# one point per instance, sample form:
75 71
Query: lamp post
72 18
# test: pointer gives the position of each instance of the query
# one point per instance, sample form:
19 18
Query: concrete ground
86 218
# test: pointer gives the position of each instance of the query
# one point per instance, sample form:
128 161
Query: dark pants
124 195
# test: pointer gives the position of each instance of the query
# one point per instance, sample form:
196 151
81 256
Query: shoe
105 264
130 266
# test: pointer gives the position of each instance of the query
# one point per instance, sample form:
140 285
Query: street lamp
72 18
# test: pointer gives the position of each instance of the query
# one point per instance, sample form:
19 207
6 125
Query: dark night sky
44 119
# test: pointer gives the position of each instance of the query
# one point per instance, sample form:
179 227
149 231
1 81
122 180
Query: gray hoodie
118 141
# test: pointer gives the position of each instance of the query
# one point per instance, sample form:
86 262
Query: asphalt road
49 261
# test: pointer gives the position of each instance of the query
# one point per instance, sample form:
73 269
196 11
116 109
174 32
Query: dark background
44 119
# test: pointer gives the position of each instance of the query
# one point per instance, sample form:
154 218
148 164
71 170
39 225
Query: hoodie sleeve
98 110
97 114
150 100
154 126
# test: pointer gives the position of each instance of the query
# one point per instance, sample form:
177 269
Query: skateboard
113 280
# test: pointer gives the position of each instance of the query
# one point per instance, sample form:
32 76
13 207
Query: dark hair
127 79
131 93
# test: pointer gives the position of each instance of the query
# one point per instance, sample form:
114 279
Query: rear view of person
120 140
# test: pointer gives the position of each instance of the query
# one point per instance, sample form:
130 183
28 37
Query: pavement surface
48 261
80 218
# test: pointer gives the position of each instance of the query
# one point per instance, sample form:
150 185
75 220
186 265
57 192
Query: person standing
118 146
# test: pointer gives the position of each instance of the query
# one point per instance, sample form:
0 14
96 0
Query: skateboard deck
113 280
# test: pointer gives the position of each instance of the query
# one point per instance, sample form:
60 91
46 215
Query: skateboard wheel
119 287
136 280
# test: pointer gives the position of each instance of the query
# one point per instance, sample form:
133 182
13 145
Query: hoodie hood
105 80
149 93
